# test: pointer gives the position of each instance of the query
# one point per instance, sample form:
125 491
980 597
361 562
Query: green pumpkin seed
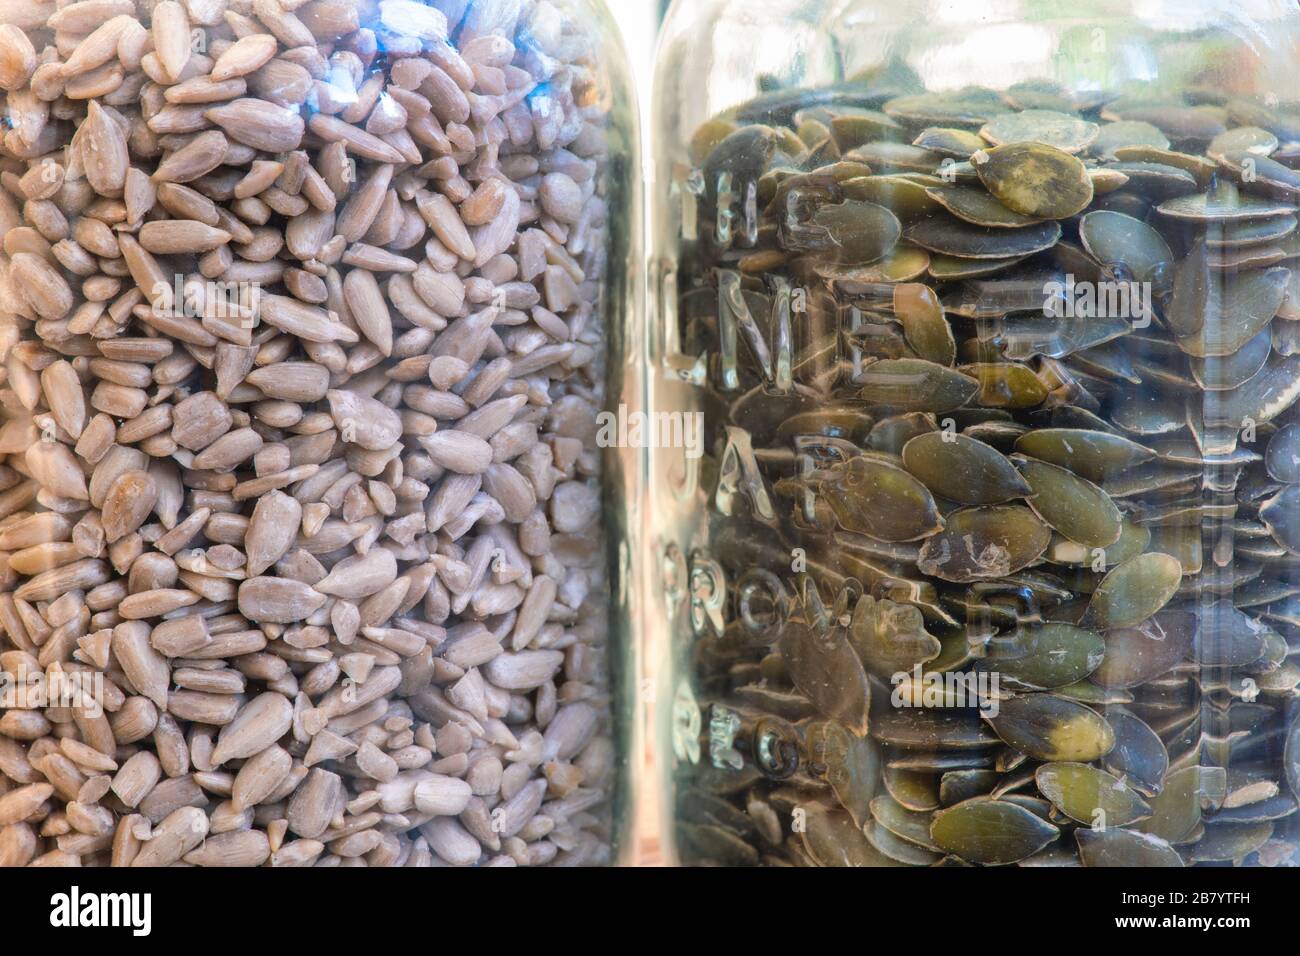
901 264
1224 204
1137 655
1043 657
1071 505
975 206
1230 842
896 848
1244 139
946 141
1024 338
1262 174
1223 373
970 108
1203 170
953 237
850 764
1155 182
708 137
1060 130
744 156
1145 413
1092 454
1113 238
959 785
891 638
1035 180
849 233
1007 385
917 385
1050 728
874 497
1090 796
905 824
1125 848
1234 311
962 469
891 434
824 667
1291 758
953 269
1133 540
1134 591
1279 514
1139 757
992 832
832 839
925 326
906 197
985 543
1231 236
1176 810
1262 398
898 158
851 127
1126 133
1178 122
915 791
1282 458
932 730
1229 637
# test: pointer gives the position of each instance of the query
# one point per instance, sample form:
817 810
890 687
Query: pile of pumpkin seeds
999 385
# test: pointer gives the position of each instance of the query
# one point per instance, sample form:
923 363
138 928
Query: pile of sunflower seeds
998 385
301 555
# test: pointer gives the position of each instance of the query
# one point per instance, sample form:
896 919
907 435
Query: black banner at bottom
341 907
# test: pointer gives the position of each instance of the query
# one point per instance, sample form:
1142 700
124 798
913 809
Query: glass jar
979 321
309 547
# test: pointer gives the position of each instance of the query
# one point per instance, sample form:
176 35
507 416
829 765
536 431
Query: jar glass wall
308 546
978 324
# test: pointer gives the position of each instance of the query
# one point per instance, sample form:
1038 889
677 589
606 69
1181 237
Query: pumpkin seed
1090 796
992 832
1091 454
1139 757
1035 179
1050 728
1071 505
953 237
875 497
977 207
984 543
1115 847
1043 657
962 469
916 385
1067 133
1112 137
1134 591
1114 239
850 764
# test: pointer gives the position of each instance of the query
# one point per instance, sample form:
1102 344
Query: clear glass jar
308 548
984 314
